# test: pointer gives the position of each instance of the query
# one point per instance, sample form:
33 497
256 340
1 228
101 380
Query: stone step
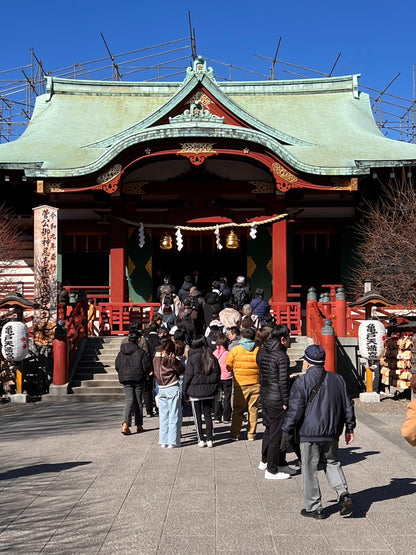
94 398
94 366
102 390
104 384
95 353
82 376
99 356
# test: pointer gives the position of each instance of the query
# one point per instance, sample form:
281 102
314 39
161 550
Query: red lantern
14 341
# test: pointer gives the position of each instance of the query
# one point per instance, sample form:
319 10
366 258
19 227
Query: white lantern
371 339
14 341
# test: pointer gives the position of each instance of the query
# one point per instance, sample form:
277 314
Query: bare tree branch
386 246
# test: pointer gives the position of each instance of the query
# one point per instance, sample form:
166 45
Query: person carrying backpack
213 304
240 293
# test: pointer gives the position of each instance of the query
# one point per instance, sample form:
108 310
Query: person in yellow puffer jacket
246 382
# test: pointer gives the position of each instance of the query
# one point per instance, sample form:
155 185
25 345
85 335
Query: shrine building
281 164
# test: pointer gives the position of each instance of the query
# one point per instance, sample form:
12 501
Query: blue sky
375 39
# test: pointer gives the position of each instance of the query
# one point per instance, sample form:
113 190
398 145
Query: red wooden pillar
279 261
118 262
329 344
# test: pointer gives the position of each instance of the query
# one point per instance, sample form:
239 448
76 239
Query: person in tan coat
241 362
409 426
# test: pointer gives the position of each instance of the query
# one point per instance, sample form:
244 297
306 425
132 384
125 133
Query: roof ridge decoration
199 69
198 111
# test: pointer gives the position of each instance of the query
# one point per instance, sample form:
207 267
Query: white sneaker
163 444
288 470
262 465
210 443
279 476
201 443
172 446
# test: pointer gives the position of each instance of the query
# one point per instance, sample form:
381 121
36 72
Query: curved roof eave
203 130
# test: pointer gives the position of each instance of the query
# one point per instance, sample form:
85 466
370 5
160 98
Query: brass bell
232 241
166 242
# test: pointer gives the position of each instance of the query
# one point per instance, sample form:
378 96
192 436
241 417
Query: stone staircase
298 345
95 378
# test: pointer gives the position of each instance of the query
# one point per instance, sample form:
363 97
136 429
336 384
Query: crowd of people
223 354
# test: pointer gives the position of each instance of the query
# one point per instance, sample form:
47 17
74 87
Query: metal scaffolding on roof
19 86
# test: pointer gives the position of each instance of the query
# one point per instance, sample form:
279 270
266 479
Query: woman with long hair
168 368
200 384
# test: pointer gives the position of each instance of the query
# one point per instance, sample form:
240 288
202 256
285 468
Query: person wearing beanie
133 366
319 409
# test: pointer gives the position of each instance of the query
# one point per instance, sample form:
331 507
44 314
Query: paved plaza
70 482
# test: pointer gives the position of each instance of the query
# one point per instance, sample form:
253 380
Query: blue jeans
169 405
133 392
180 413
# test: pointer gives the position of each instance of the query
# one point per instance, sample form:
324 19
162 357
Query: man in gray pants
319 407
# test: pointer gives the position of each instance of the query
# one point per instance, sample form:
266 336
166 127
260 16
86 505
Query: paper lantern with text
14 341
371 339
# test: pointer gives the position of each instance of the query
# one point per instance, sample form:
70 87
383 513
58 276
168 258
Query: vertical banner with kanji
46 273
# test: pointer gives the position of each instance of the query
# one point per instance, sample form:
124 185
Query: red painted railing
289 314
99 293
115 318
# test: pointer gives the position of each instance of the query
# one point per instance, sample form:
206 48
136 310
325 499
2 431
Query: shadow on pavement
39 469
362 500
352 455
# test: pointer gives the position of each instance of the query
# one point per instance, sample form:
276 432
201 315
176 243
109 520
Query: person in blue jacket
319 408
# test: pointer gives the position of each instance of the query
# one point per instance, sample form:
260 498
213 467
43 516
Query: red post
118 262
341 313
60 359
311 305
328 343
325 305
279 261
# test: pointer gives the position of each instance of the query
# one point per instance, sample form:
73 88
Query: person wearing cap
133 365
319 408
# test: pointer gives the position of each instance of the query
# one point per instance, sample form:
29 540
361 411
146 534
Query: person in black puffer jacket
133 365
273 362
200 383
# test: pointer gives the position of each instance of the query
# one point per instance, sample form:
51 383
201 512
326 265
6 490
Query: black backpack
241 297
195 306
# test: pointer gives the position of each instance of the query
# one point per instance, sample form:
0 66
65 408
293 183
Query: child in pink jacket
222 400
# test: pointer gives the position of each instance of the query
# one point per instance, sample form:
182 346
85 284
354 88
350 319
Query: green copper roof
320 126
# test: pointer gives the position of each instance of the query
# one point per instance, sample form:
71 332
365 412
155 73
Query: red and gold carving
197 152
284 179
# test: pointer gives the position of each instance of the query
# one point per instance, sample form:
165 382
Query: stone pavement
70 482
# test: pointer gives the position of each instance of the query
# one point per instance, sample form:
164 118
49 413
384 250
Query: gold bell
165 242
232 241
